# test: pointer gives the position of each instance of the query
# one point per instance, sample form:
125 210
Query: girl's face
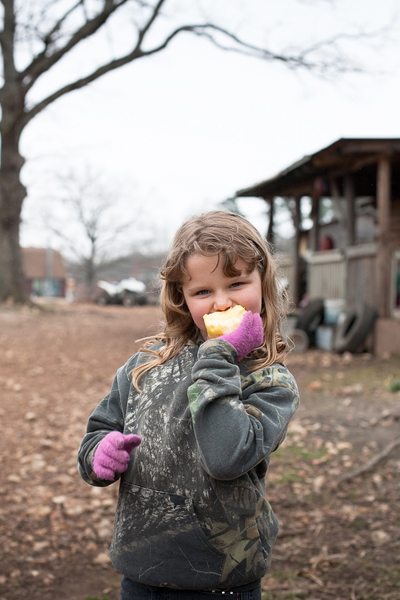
207 289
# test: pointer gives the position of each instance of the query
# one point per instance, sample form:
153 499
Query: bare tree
37 34
89 221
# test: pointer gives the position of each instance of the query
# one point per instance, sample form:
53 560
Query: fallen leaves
311 575
380 537
102 559
57 529
318 482
315 385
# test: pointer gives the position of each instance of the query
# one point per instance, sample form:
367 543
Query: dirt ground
336 542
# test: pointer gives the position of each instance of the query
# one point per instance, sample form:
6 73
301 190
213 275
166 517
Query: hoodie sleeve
108 416
238 421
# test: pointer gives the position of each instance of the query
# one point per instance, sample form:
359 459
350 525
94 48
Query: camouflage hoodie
191 512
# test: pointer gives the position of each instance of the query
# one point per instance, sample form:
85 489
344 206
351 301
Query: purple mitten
248 336
112 454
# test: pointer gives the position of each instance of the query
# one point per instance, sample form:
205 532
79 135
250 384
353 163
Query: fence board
327 275
361 280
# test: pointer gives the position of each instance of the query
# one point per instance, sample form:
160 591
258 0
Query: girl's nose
222 302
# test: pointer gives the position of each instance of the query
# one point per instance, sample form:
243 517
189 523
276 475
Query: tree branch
291 60
56 27
44 61
70 243
149 23
76 85
370 464
340 65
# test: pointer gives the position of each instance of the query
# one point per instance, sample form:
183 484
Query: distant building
44 272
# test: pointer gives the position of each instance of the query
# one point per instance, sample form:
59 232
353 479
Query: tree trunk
90 274
12 194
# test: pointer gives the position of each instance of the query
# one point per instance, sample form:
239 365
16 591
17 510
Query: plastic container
325 337
332 310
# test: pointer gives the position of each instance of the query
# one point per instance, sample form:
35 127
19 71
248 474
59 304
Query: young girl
190 424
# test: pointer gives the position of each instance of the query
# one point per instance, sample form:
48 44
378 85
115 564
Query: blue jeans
130 590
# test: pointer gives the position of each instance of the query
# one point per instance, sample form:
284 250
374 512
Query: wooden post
270 232
383 257
314 233
349 195
336 198
296 249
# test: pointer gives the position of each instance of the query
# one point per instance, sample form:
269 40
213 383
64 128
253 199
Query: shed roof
42 263
356 156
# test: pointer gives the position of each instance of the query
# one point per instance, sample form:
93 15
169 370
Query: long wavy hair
231 237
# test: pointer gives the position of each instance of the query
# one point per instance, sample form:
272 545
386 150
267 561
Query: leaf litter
339 524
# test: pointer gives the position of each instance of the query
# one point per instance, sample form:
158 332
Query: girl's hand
248 336
113 453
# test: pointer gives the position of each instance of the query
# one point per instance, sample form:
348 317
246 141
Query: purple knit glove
113 453
248 336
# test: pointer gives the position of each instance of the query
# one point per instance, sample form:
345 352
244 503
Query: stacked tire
311 318
353 327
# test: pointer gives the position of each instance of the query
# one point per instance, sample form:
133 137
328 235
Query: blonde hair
231 237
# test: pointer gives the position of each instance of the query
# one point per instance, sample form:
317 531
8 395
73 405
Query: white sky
182 130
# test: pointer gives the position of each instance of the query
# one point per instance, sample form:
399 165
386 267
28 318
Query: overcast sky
179 132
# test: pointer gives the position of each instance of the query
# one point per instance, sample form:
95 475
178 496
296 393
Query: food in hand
223 322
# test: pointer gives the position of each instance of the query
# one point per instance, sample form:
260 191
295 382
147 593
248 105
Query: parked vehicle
129 292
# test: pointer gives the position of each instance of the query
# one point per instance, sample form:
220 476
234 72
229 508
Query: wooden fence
361 274
336 274
327 275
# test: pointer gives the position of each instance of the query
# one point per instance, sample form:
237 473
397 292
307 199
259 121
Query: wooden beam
349 195
270 231
371 146
332 161
336 198
383 258
296 256
314 233
296 189
352 166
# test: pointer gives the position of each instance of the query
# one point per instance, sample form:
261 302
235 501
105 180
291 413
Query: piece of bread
223 322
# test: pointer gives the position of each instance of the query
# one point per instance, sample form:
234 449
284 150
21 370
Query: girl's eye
238 283
203 292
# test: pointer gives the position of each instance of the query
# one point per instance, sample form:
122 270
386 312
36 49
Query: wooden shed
44 272
355 256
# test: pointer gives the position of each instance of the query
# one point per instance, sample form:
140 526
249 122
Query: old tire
129 299
300 340
103 299
353 327
311 317
141 299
